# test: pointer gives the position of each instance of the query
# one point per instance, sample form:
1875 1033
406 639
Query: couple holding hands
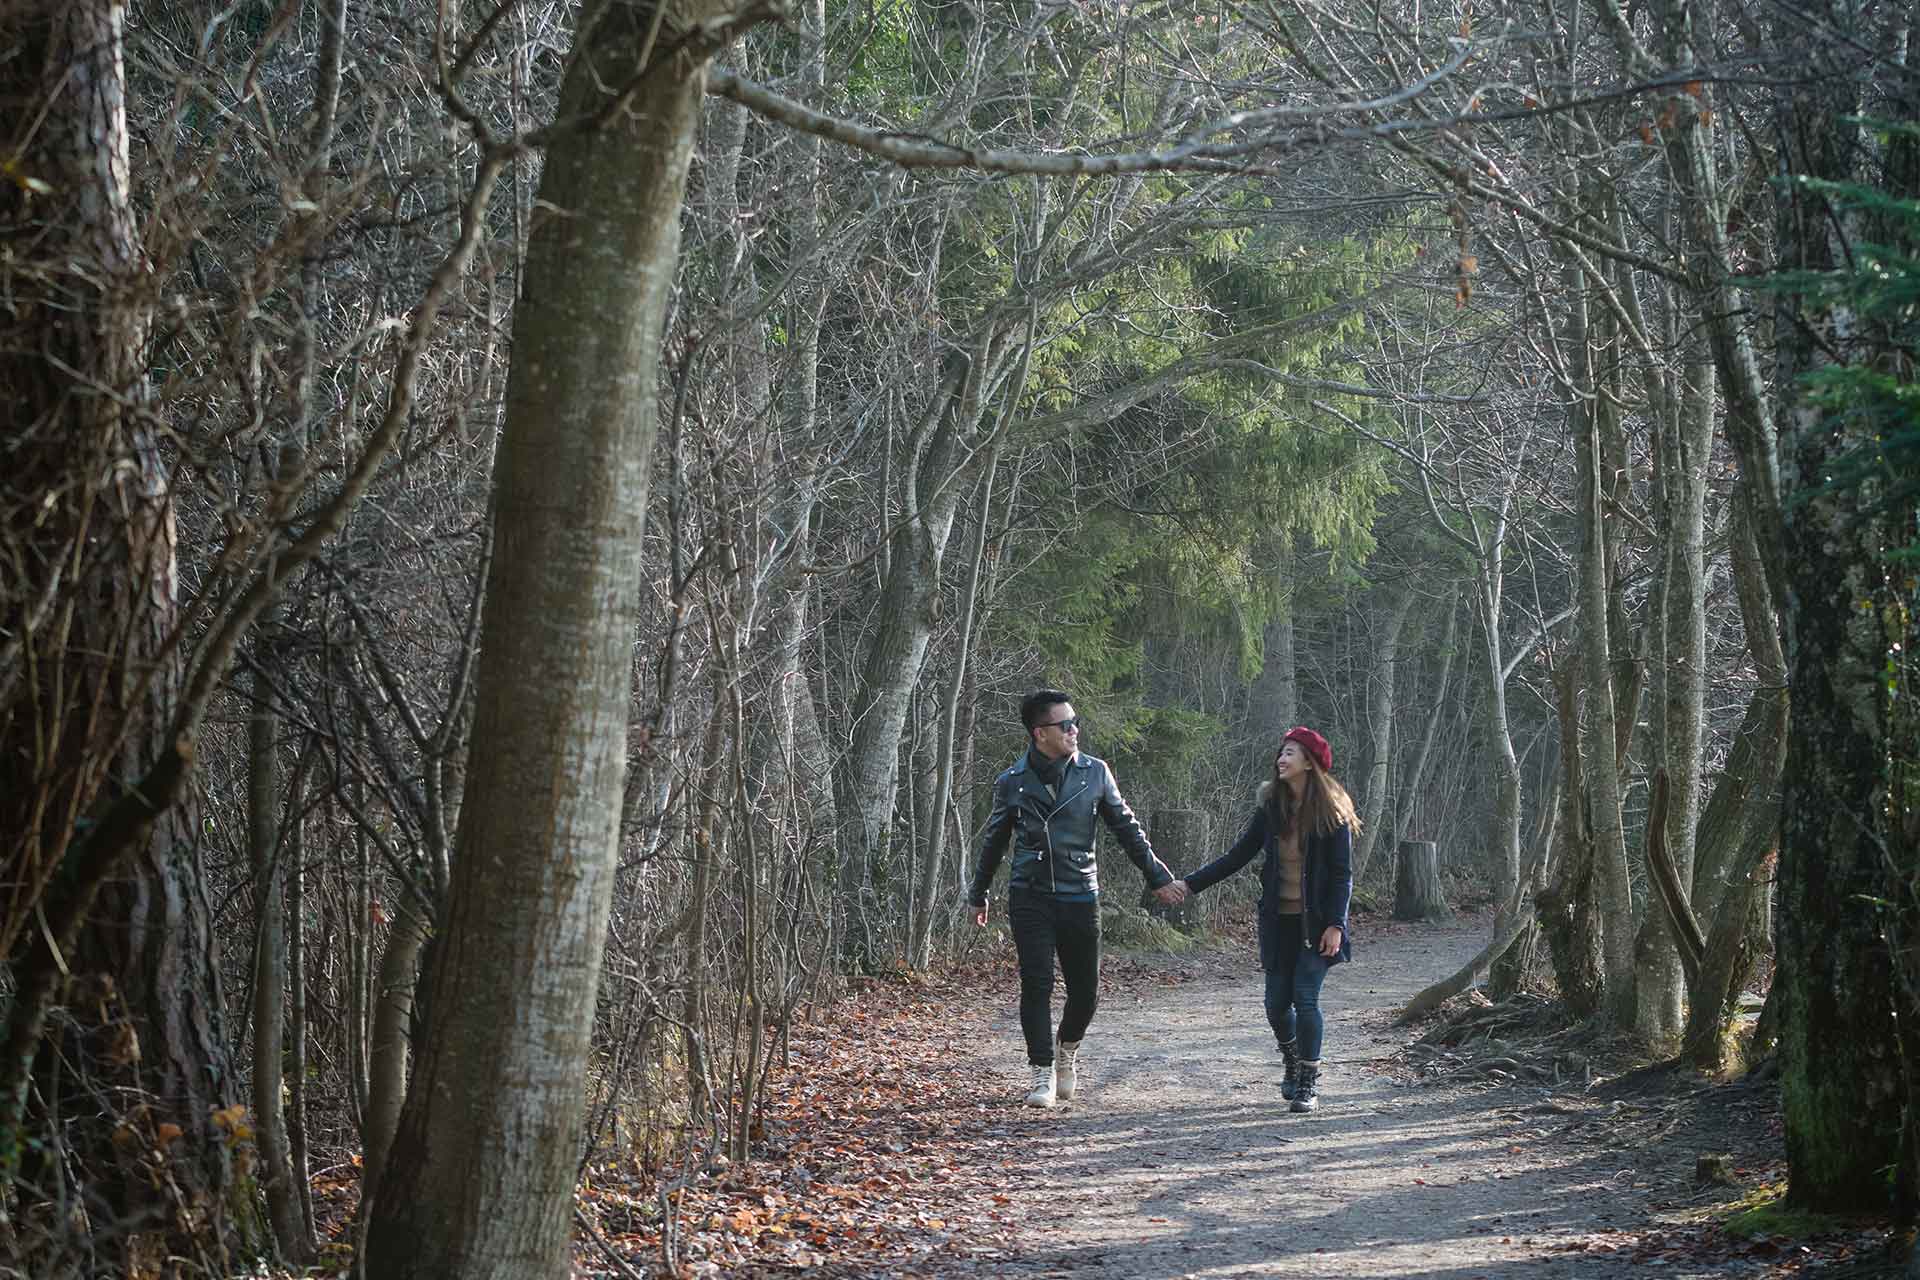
1044 808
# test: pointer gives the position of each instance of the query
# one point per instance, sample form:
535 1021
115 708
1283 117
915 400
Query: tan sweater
1290 868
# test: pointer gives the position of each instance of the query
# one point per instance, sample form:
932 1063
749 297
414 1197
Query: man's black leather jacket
1052 835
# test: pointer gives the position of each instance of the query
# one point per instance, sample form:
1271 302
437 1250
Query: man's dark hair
1033 707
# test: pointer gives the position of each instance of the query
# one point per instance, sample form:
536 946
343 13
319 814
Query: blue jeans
1043 927
1295 972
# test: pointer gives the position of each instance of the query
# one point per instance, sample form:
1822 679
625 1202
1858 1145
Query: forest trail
1179 1158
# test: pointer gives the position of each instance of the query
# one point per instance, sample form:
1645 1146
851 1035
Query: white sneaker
1042 1094
1064 1053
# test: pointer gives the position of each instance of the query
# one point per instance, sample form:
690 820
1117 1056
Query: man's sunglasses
1065 726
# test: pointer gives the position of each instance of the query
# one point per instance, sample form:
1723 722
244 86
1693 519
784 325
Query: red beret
1313 744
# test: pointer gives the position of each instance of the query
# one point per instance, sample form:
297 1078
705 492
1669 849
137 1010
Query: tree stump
1180 838
1417 894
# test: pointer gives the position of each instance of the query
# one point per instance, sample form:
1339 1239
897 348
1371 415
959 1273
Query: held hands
1173 893
1330 941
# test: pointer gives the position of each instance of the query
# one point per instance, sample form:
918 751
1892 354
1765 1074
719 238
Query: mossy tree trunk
1840 1042
1840 1069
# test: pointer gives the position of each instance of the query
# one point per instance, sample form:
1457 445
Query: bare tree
480 1180
96 755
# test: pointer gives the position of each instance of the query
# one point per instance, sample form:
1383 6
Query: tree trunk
1603 780
1686 443
1744 809
1380 733
1713 995
264 818
1507 974
153 931
1275 698
1723 309
750 1021
388 1043
1503 823
1740 828
1840 1049
90 684
356 939
700 857
903 627
1415 782
83 492
808 782
297 1145
933 900
1426 1001
481 1178
1566 907
1417 891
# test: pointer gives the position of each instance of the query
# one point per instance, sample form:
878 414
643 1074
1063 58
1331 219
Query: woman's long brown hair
1324 803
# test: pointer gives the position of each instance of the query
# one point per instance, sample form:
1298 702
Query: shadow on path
1180 1158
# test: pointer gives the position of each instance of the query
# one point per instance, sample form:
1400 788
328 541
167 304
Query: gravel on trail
1179 1157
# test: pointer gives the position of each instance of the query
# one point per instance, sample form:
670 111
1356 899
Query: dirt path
1180 1159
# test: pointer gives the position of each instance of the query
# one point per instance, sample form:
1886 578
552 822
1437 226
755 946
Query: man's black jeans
1044 926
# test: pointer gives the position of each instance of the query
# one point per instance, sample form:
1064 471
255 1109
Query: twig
606 1246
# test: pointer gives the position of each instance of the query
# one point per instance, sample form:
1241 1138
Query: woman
1304 821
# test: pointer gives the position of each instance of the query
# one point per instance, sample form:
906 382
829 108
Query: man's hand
1173 893
980 916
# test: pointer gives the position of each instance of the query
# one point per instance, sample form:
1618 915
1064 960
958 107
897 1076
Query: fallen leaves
881 1153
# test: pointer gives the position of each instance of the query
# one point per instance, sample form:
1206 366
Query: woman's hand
1330 941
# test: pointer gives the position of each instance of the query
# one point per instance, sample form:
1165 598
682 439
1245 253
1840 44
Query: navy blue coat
1326 876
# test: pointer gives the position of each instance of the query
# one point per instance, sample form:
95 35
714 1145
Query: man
1044 806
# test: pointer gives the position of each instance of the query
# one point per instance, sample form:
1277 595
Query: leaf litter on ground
882 1152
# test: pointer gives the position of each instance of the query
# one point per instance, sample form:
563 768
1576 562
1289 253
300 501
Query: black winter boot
1306 1092
1290 1082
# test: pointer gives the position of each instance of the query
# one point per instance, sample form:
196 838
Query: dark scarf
1048 769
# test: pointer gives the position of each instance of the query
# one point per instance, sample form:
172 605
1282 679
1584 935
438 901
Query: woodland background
523 528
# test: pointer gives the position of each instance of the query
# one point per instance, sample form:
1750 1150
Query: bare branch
1310 125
